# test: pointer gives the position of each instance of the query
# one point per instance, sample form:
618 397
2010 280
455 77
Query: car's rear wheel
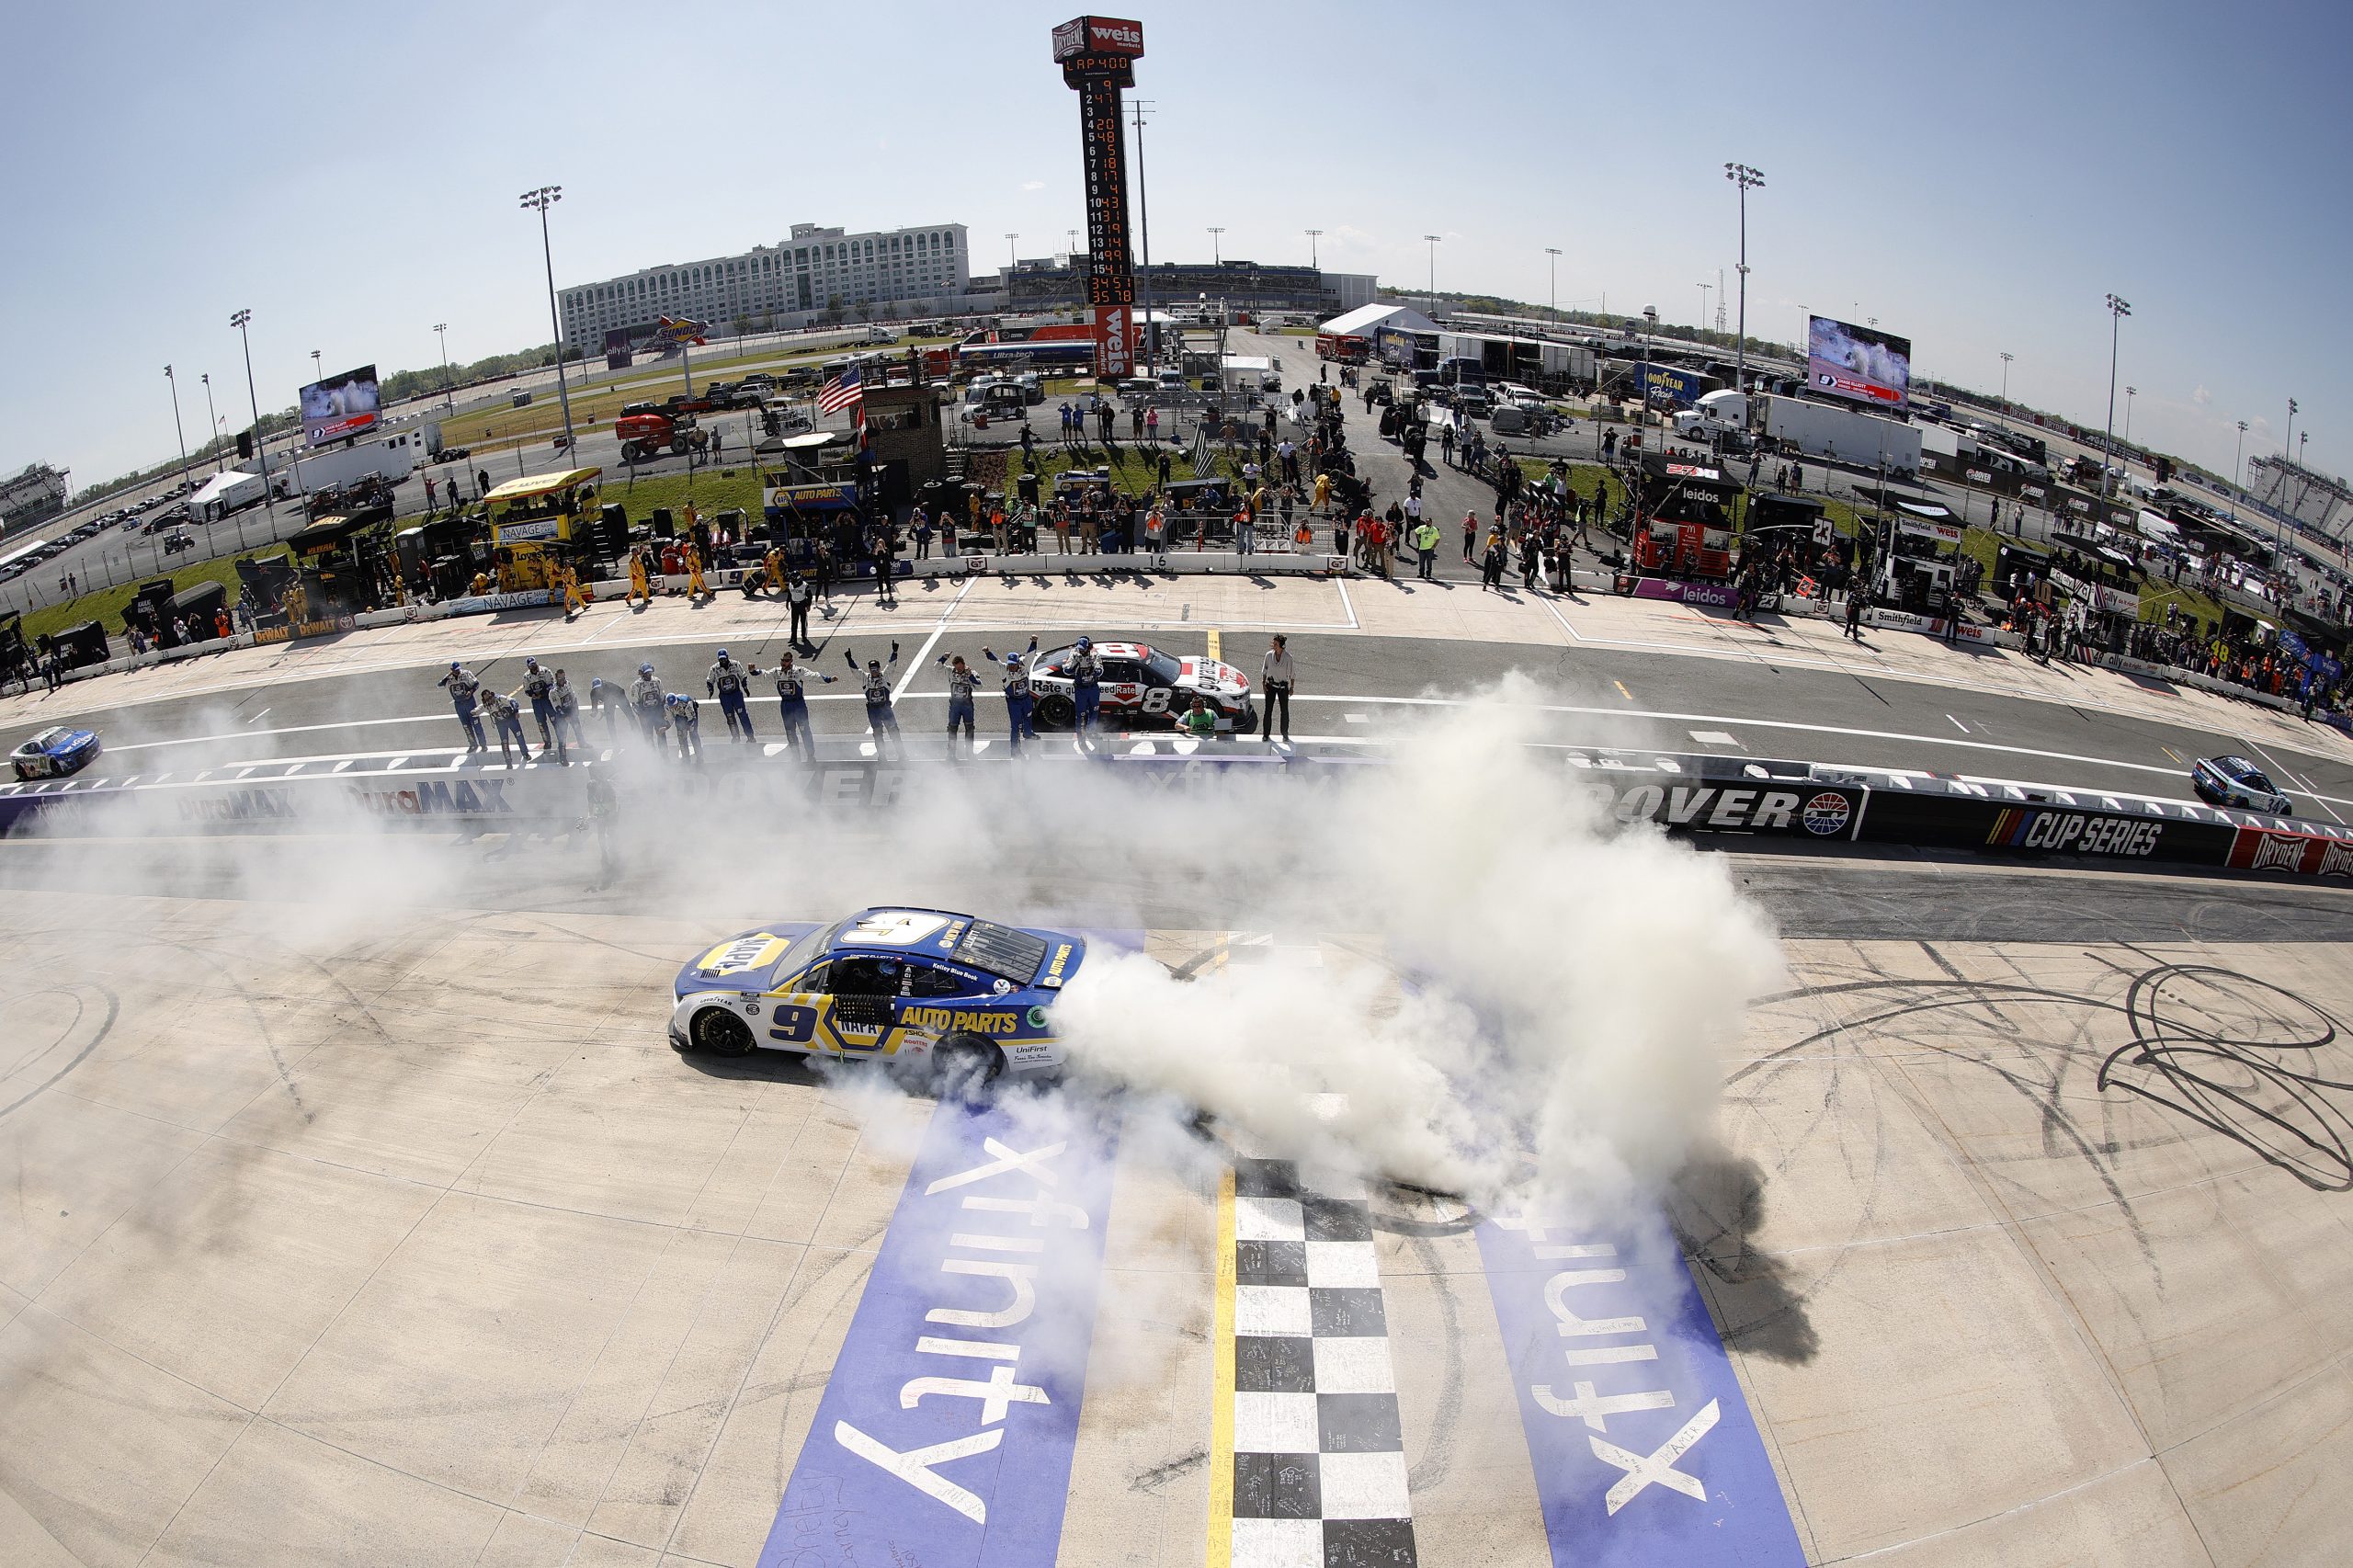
721 1033
963 1065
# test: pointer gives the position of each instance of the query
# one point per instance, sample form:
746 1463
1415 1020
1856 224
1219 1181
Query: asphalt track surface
1355 689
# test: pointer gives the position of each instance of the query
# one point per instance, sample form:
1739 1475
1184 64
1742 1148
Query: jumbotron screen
1858 363
340 406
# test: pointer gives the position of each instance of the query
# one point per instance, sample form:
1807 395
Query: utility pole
2117 310
261 446
219 461
1747 179
2007 358
176 428
449 399
540 201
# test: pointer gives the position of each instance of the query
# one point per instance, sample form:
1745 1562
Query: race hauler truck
1716 414
392 459
1533 362
1843 435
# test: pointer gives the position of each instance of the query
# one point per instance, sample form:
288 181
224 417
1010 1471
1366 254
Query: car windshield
1002 950
1163 666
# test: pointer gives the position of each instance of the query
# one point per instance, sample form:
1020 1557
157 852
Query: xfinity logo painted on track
1644 1450
946 1431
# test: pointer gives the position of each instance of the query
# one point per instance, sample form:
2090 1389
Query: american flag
840 392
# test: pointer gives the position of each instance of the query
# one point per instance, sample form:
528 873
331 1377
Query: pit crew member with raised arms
1086 672
1018 702
728 680
877 683
464 690
793 705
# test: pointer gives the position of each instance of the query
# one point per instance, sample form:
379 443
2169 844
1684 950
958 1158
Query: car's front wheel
720 1033
1056 710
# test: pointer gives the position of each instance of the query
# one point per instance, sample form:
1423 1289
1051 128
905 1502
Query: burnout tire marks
37 1072
2250 1060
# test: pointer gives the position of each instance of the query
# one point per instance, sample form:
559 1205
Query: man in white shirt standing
1276 676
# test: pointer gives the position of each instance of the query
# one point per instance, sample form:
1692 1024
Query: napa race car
925 990
55 752
2236 781
1142 688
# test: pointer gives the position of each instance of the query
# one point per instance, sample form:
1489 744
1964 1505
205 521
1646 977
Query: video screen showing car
347 404
1858 363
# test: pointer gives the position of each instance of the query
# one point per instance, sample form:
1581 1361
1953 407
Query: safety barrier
1693 793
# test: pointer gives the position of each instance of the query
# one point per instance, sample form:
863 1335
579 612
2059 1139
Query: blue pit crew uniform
962 681
727 681
877 681
539 687
686 721
793 706
1085 671
1018 702
463 689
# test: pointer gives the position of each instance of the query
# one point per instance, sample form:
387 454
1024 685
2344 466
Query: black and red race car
1142 689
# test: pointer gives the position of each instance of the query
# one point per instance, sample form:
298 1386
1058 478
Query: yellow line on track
1215 644
1221 1545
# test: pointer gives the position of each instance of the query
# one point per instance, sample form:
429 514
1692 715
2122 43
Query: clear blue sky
1975 176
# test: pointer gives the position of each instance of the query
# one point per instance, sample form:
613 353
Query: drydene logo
2278 851
1828 814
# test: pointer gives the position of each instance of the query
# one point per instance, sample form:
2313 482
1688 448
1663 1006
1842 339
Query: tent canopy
1365 319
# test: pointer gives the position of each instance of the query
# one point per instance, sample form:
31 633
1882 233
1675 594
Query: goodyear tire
1055 711
963 1065
718 1032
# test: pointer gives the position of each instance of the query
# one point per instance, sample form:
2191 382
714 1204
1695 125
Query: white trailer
395 457
1843 435
224 492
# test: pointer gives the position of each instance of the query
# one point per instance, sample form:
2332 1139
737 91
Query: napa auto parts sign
1098 35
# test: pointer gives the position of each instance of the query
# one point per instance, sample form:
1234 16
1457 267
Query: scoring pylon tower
1098 56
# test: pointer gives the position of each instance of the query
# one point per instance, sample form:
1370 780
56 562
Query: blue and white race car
2236 781
55 752
928 990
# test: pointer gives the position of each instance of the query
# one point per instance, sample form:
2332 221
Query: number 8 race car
1141 688
925 990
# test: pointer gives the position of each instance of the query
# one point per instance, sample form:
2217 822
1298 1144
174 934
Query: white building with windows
899 271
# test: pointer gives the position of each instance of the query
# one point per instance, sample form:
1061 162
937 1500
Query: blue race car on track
55 752
2236 781
922 988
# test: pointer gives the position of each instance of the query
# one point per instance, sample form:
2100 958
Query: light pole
1552 285
1217 257
1747 179
261 447
2238 468
176 428
2285 448
1314 259
448 401
2116 311
539 201
1143 220
2130 393
1433 293
219 462
1643 389
1704 288
314 364
2007 358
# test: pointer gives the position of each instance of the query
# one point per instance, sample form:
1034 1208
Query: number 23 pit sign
946 1431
